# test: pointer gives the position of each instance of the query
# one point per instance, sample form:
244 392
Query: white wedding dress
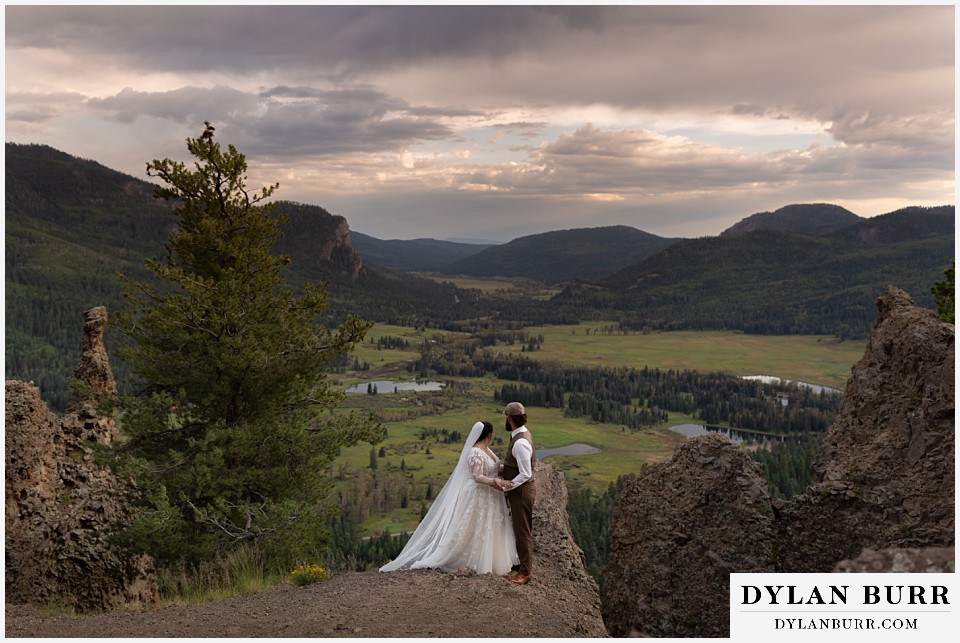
468 524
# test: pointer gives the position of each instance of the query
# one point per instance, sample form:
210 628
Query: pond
694 430
570 449
770 379
387 386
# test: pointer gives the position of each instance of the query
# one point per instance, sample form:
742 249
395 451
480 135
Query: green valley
388 485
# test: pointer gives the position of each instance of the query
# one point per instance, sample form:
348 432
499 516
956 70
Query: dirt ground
409 604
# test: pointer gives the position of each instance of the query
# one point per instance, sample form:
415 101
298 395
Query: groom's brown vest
510 468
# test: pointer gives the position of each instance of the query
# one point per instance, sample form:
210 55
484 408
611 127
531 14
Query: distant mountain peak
806 218
561 255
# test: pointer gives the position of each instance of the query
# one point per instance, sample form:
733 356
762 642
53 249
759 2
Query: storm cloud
496 121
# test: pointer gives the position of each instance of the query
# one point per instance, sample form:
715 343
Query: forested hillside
72 226
555 257
781 282
319 249
413 255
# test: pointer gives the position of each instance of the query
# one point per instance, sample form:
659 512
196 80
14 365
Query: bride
468 524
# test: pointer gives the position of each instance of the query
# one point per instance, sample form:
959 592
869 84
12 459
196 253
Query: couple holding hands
469 525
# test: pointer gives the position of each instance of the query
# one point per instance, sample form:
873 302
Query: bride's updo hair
485 432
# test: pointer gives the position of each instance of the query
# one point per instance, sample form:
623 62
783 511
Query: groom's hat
514 408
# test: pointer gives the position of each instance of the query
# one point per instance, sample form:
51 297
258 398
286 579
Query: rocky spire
94 380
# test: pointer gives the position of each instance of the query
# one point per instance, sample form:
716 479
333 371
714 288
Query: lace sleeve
476 468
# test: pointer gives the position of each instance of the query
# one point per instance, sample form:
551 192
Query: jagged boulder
884 475
678 530
61 506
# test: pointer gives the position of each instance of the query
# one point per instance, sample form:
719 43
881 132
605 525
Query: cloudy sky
494 122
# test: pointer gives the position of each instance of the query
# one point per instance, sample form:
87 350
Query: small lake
387 386
570 449
770 379
694 430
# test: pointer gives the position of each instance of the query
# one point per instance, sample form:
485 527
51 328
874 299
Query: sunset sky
494 122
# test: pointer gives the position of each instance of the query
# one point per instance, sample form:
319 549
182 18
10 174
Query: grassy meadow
817 360
367 351
506 286
813 359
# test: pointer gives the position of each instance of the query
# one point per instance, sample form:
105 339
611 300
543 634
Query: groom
518 469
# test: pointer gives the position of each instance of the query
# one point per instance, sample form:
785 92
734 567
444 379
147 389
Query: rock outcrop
559 564
337 251
884 475
93 383
320 243
882 496
61 506
93 369
671 550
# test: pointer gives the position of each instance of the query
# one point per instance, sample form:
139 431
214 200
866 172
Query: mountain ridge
413 255
782 282
560 255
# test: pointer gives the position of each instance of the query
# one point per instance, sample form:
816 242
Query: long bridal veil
440 517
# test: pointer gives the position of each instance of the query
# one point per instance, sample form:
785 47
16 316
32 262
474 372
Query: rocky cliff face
922 560
61 507
884 480
884 476
338 251
560 567
319 242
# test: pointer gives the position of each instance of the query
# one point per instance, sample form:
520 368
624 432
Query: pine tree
230 430
945 294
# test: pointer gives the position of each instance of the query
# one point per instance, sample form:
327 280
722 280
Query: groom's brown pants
521 502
